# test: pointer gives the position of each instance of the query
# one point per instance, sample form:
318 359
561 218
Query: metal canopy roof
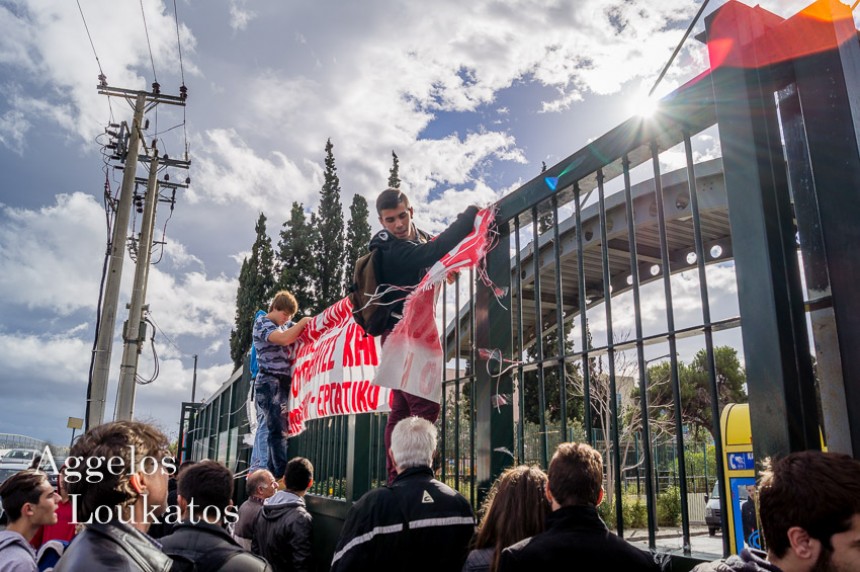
713 214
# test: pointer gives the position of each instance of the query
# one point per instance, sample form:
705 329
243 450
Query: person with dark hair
749 521
117 477
407 253
63 530
261 485
282 530
575 532
417 523
809 511
273 335
200 542
165 527
515 508
29 501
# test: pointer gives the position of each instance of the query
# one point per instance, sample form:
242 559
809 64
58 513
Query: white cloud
70 356
47 42
229 171
13 130
240 16
48 256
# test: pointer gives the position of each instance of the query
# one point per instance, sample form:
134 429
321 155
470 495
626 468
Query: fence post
824 165
494 413
358 456
776 348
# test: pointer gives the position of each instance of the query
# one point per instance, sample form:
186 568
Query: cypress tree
329 249
357 236
296 259
256 286
394 172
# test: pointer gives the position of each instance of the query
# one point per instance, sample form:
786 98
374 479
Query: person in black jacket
575 533
809 511
749 520
282 530
200 542
407 253
127 484
417 523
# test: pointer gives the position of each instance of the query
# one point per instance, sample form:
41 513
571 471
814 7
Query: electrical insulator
167 176
146 125
156 87
102 80
187 180
183 92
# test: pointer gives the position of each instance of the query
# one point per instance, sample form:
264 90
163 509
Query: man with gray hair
416 523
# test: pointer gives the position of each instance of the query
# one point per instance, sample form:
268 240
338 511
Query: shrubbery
635 510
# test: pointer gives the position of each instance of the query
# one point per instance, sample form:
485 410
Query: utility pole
134 332
97 392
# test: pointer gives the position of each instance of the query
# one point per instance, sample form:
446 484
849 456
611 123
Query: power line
148 43
183 91
87 28
678 48
157 327
178 43
102 76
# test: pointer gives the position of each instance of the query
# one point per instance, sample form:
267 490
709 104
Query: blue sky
471 96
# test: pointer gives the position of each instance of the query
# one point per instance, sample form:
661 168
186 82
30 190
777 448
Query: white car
18 459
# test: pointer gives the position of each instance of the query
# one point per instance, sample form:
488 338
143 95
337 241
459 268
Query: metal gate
626 281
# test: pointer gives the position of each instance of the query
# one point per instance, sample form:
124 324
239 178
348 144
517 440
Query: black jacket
282 533
211 548
113 546
405 262
575 534
416 524
248 512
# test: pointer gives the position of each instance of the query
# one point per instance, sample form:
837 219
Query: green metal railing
611 268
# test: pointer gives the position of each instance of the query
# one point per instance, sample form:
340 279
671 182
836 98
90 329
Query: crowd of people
530 520
122 504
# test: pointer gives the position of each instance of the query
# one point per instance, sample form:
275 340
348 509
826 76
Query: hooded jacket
16 554
404 262
282 533
747 561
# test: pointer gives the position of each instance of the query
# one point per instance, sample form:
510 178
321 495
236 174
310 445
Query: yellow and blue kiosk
739 470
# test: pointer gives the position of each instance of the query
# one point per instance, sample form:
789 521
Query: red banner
340 370
334 370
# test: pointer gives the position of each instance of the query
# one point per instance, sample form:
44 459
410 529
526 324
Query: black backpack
213 560
367 311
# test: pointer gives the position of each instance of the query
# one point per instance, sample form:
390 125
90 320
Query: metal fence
636 256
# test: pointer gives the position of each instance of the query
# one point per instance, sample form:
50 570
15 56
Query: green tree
357 236
256 285
695 386
394 173
329 240
295 258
